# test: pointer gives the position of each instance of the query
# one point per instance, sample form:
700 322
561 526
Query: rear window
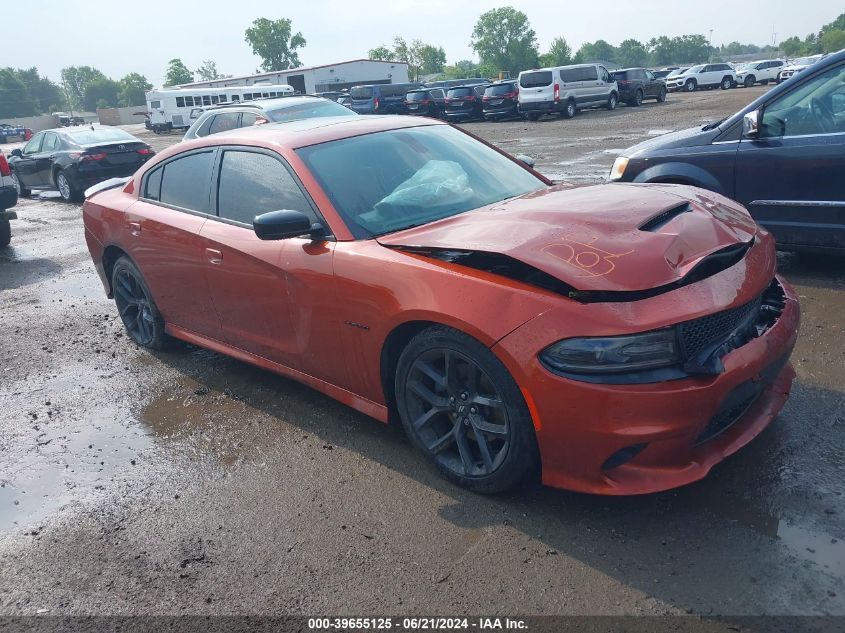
417 96
102 135
361 93
459 92
536 79
621 75
314 109
500 89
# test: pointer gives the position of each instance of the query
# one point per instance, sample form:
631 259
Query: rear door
162 236
590 89
268 294
536 86
45 157
791 177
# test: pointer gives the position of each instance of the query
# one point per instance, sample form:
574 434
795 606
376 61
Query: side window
51 143
248 118
570 74
185 181
34 146
206 100
236 98
813 107
152 185
603 74
589 74
252 184
223 122
438 94
202 130
649 75
180 102
155 105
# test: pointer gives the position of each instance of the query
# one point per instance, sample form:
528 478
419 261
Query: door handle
135 228
214 256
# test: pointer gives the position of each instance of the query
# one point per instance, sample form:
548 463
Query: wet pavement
186 482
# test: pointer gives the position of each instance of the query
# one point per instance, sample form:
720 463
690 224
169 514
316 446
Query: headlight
618 169
606 355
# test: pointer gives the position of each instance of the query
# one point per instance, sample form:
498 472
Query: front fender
682 173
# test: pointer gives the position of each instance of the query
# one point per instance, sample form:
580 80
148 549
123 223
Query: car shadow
18 272
731 543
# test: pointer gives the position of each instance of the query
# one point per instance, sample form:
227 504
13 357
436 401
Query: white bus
172 109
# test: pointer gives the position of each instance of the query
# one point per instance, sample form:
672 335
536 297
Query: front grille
699 334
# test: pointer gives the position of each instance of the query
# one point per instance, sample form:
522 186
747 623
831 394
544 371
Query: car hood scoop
597 243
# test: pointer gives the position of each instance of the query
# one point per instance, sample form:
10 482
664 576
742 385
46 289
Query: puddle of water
66 466
827 552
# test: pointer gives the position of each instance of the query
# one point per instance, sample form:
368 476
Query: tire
532 116
5 233
23 192
462 409
135 304
749 81
612 101
570 111
638 99
765 82
661 96
690 86
727 83
66 190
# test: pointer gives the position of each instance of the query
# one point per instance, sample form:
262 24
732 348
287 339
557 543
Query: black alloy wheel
461 407
135 305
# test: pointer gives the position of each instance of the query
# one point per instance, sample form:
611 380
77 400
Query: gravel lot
185 482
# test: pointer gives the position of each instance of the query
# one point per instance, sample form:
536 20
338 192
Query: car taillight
375 103
485 98
145 151
557 92
4 166
90 157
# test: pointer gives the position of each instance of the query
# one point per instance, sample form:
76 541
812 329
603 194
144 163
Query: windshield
694 69
806 61
101 135
388 181
315 109
675 73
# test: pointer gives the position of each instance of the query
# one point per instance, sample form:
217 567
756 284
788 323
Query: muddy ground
185 482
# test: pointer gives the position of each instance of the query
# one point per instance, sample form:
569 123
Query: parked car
8 199
71 160
646 335
636 84
797 65
783 156
332 95
565 90
662 74
451 83
234 115
345 101
501 100
759 72
703 76
380 98
14 131
464 103
426 102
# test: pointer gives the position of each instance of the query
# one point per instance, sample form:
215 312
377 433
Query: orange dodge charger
613 339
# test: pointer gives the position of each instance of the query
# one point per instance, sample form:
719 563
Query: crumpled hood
613 237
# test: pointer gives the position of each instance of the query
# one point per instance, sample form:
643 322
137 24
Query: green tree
832 40
792 46
132 90
692 48
177 73
380 52
431 59
15 99
100 91
559 54
837 25
208 71
273 42
504 38
599 51
41 89
76 79
661 50
631 53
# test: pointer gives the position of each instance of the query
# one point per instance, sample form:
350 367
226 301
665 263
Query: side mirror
282 225
751 124
17 152
522 158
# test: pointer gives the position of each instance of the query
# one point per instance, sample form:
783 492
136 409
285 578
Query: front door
26 166
791 176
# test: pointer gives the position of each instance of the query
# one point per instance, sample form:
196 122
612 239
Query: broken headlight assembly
614 354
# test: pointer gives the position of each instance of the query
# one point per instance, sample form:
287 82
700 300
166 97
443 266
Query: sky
120 37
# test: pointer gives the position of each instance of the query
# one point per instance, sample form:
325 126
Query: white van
565 90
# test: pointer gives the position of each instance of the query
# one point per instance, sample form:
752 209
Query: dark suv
426 102
782 156
500 100
230 116
636 84
380 98
463 103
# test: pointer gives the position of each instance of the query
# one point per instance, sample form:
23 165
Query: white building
311 79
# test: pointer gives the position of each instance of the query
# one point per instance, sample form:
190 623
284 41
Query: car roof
304 132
